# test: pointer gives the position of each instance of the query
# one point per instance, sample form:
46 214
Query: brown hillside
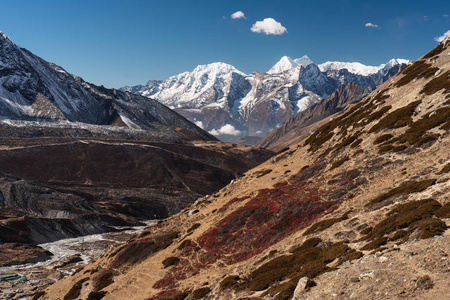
299 127
361 208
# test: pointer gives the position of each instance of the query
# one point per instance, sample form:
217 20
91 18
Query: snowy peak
218 68
352 67
358 68
303 61
287 63
394 62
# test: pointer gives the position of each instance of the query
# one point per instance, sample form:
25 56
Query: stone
366 275
192 212
303 284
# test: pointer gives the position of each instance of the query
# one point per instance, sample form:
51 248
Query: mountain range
230 104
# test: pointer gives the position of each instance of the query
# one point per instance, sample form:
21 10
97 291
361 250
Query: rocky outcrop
299 127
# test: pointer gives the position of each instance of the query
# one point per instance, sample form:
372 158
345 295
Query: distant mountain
299 127
231 104
35 90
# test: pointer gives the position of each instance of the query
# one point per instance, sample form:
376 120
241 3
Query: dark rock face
298 127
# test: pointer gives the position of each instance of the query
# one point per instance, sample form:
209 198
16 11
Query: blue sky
127 42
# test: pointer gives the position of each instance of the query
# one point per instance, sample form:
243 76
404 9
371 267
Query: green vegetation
406 188
75 290
170 261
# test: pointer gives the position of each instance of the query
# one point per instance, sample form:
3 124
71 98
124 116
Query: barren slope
361 207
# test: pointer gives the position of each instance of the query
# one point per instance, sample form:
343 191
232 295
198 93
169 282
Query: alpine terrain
359 209
230 104
78 159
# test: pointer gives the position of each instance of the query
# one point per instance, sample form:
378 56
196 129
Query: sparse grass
383 138
283 150
416 134
445 169
444 211
170 261
403 220
338 163
356 143
437 84
103 280
398 118
193 227
357 152
308 260
324 224
436 51
96 295
200 293
430 227
418 69
263 173
375 244
139 250
75 290
38 295
406 188
229 282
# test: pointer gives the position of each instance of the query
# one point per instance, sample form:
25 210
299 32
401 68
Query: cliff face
360 208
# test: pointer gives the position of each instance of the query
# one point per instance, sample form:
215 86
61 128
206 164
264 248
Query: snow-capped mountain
34 89
287 63
229 103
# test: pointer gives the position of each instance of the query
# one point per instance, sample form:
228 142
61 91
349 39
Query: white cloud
425 18
269 26
442 37
372 25
199 124
238 15
226 129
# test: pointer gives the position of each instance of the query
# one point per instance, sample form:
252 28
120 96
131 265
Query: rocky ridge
360 208
302 124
